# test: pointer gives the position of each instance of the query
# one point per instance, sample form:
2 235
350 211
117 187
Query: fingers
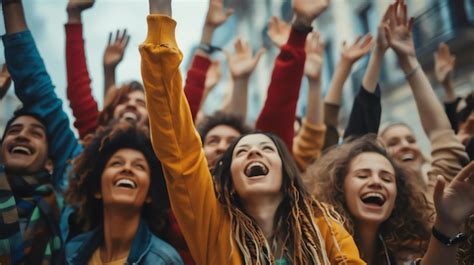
110 39
229 12
258 55
466 173
439 190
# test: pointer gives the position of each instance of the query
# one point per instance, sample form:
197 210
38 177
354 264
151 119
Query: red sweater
278 113
195 82
83 105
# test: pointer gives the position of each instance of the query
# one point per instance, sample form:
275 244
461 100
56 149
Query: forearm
314 108
13 16
341 73
74 16
194 87
372 73
238 100
449 94
438 253
109 78
431 111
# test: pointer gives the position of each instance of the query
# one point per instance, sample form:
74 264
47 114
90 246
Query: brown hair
406 231
90 164
115 97
295 229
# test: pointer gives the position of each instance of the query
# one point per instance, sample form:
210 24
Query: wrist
408 63
301 22
109 68
447 228
207 33
73 16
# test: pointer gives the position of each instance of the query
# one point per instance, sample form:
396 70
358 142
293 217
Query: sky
46 19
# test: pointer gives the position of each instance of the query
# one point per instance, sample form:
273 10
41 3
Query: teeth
248 170
408 157
125 183
21 149
130 116
373 194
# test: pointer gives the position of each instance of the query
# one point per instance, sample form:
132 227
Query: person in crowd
35 148
448 154
242 223
123 204
386 210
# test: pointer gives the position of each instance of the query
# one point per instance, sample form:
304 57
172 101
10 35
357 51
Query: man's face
25 147
217 140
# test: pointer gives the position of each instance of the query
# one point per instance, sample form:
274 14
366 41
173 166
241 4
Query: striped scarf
29 223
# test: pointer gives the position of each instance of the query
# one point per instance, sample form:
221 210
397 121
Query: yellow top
203 221
308 144
96 260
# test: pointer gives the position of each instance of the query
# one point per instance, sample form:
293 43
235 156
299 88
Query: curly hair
115 97
90 164
221 118
295 230
406 231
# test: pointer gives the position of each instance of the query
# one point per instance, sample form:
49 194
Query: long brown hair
295 230
406 231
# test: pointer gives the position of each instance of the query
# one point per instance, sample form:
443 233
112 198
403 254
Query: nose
127 168
131 104
254 151
222 146
375 181
22 136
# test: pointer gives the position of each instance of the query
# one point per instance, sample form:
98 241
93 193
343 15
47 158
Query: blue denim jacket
35 90
146 249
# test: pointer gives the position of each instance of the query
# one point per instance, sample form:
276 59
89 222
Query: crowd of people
151 179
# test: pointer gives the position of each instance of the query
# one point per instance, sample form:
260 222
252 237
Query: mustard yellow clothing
204 222
96 260
308 144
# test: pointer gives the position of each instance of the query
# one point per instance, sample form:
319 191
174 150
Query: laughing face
256 167
370 188
126 179
217 140
25 147
132 109
402 147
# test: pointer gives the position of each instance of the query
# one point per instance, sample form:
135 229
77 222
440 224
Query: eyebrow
261 143
369 170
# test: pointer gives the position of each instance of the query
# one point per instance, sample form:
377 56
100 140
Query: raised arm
113 55
5 81
79 92
444 66
309 141
175 141
35 90
241 63
195 87
278 113
349 55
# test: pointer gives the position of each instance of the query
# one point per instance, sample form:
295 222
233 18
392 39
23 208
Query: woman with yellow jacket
261 213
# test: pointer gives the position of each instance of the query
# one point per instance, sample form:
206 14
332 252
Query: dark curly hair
407 230
116 96
90 164
221 118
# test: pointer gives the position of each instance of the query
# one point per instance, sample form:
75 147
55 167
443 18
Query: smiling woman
120 215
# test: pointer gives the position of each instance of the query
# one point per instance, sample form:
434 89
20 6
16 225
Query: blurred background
450 21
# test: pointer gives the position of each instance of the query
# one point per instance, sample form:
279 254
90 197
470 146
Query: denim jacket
146 248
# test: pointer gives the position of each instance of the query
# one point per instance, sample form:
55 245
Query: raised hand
399 30
454 203
242 63
444 63
75 8
381 42
278 31
115 49
5 81
314 56
213 76
308 10
359 48
216 14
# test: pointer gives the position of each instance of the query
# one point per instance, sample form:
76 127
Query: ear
98 195
49 166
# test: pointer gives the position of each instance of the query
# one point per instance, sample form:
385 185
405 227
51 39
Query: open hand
359 48
278 31
79 5
115 49
213 76
444 63
314 56
399 30
242 63
308 10
5 81
216 14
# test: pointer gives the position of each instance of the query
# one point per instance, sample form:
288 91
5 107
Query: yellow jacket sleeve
308 144
177 145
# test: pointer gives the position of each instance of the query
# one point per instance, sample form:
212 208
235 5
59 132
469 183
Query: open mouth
22 150
130 116
125 183
256 169
408 157
373 199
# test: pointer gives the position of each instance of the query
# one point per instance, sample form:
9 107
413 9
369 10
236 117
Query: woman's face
126 179
370 188
402 147
256 168
132 109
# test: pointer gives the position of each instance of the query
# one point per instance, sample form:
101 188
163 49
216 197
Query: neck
367 241
263 210
120 227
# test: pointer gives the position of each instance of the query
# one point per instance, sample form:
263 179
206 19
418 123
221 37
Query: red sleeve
278 113
79 94
195 80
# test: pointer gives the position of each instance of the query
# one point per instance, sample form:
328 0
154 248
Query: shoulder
161 252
